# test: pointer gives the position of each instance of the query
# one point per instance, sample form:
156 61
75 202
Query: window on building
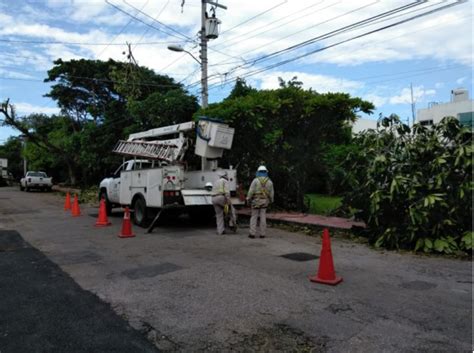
466 119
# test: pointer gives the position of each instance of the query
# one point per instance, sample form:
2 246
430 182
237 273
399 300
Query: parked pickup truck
36 180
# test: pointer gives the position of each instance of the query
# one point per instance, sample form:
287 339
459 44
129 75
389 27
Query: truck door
115 184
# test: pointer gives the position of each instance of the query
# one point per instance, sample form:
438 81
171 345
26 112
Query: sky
330 45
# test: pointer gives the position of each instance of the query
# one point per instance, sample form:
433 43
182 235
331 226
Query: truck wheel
27 188
22 188
108 205
139 212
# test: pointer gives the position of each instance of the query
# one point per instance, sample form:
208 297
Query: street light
180 49
203 64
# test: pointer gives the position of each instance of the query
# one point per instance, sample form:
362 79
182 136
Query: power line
17 41
304 29
143 22
231 41
142 83
148 28
344 29
185 36
159 22
119 33
251 73
327 35
256 16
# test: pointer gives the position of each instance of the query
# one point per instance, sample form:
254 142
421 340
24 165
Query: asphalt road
186 289
43 310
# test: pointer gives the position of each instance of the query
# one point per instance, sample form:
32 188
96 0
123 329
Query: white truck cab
158 178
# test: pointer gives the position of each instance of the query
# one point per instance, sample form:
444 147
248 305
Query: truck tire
27 189
140 212
108 205
22 188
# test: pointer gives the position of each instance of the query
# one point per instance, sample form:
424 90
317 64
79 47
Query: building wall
460 107
439 111
3 167
363 124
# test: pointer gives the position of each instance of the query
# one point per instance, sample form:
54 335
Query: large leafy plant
413 186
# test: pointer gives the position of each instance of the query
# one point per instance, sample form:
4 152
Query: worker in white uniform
259 196
221 199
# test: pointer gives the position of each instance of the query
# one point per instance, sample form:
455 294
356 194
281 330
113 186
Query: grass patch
322 204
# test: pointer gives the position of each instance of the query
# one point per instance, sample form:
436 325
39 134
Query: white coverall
260 195
221 197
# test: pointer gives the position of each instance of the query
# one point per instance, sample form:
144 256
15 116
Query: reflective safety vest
261 190
220 188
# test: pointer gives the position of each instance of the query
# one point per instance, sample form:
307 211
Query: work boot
262 236
251 236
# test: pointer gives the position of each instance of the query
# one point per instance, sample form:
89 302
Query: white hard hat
262 168
209 185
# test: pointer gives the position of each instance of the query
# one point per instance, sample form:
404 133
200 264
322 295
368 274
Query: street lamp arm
193 56
180 49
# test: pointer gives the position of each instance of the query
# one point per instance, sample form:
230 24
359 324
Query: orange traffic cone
126 225
67 203
102 220
75 210
326 273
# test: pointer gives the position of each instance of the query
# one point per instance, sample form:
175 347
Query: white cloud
14 74
439 85
460 80
419 93
27 108
376 99
319 83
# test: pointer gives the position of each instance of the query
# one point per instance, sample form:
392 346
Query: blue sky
433 52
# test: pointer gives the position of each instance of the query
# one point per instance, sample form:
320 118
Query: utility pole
204 92
412 106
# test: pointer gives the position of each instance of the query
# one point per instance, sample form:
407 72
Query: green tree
101 102
286 129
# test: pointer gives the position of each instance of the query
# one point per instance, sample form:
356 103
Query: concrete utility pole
412 106
204 92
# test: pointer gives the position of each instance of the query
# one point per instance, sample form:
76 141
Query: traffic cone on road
126 225
326 273
102 220
75 210
67 203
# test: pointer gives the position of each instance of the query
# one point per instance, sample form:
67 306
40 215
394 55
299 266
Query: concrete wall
3 167
439 111
363 124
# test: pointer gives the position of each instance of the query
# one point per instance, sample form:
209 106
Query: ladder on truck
146 149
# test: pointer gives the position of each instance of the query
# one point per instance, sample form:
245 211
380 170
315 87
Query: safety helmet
262 168
208 186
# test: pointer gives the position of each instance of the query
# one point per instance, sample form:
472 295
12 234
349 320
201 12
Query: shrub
413 187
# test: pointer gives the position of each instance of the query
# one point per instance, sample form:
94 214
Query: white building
3 167
460 107
363 125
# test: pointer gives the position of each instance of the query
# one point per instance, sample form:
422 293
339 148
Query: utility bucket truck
158 176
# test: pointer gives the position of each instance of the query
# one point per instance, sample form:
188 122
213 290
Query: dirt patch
151 271
279 338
